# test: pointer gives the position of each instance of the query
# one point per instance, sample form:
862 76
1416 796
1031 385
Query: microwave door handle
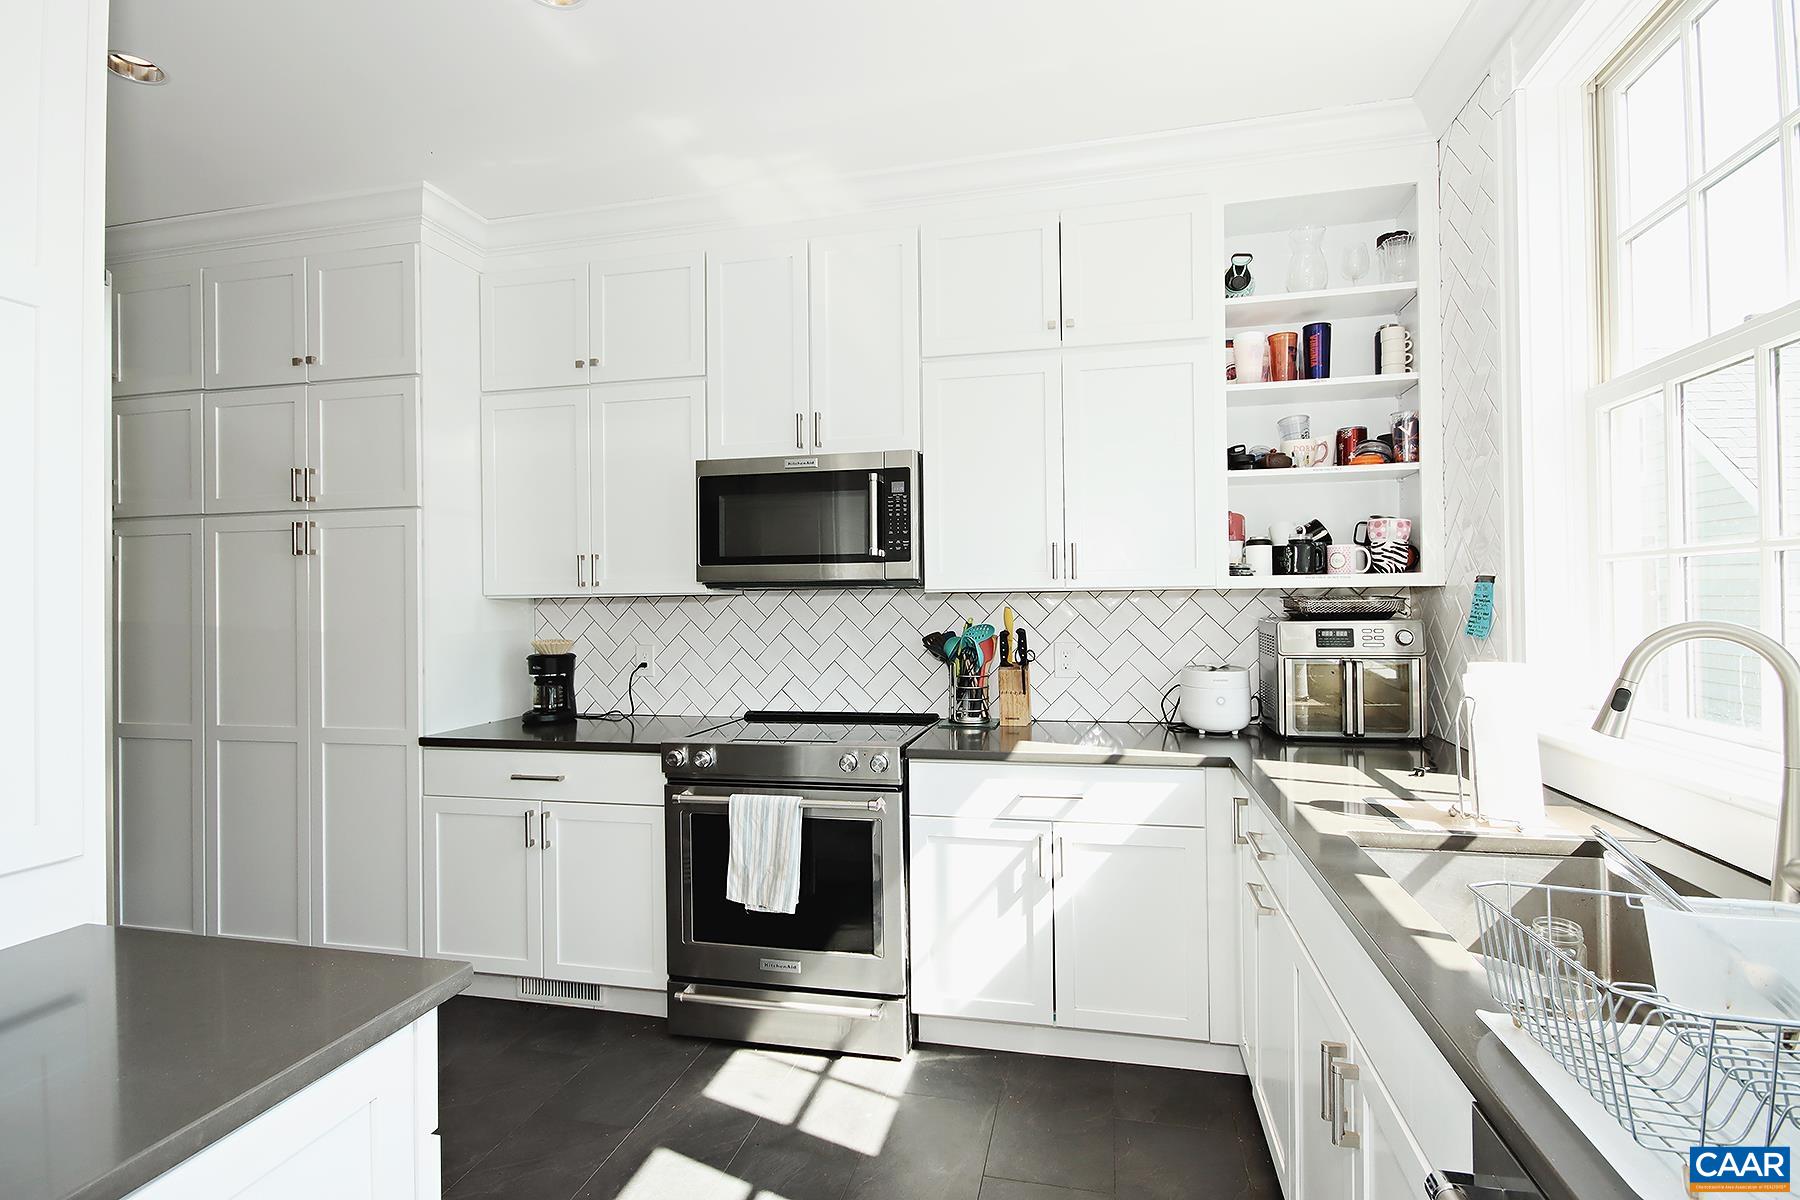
875 550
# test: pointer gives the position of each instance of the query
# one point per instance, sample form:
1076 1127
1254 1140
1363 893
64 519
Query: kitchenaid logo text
785 966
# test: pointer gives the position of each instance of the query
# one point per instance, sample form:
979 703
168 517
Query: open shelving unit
1354 395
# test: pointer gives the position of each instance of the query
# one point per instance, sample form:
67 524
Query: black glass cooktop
820 729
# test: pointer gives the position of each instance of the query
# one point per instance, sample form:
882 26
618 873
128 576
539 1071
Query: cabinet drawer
545 775
1097 795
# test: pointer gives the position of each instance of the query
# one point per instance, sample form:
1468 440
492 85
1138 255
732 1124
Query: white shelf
1293 475
1299 391
1299 308
1401 579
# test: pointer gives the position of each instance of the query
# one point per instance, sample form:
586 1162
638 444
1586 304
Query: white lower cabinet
1060 923
1269 957
567 890
1325 1071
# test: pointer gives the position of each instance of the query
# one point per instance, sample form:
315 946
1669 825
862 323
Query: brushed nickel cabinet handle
522 778
1329 1052
296 360
580 364
544 829
580 570
294 538
1055 562
1342 1135
799 431
592 362
312 543
818 423
529 840
1050 323
1237 820
1255 840
1262 910
312 360
294 493
1073 574
312 491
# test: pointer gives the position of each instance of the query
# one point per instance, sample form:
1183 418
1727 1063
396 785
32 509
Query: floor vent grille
565 991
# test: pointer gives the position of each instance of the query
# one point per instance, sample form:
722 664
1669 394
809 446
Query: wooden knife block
1015 697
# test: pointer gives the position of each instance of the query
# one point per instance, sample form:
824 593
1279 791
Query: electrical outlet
645 652
1068 658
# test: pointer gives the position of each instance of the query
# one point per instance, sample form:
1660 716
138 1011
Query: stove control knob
847 764
879 763
677 757
1404 636
706 756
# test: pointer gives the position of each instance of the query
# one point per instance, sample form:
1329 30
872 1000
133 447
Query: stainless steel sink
1616 946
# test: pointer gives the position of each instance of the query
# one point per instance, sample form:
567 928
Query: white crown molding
1389 123
1480 37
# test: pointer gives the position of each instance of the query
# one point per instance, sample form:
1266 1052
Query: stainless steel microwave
808 520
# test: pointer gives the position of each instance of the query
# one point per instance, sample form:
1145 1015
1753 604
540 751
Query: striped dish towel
763 873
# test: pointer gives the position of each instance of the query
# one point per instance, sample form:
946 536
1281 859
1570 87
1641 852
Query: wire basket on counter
1374 608
972 699
1673 1077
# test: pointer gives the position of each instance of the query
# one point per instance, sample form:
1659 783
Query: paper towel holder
1471 808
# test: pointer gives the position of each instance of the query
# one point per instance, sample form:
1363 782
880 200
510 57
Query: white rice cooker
1214 699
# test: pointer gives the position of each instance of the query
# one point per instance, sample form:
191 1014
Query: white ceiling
513 108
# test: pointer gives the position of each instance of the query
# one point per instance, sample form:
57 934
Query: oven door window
840 885
1314 695
803 517
1389 688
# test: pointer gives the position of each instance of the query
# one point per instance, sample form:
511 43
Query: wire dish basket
1673 1077
1375 608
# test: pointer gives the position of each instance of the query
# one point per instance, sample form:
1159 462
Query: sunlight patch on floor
667 1175
763 1086
850 1116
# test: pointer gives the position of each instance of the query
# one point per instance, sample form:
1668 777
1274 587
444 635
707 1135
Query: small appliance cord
630 700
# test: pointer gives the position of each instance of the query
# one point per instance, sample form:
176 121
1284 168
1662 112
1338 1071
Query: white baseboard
641 1001
1081 1043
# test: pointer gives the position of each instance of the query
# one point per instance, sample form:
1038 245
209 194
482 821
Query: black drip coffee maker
552 670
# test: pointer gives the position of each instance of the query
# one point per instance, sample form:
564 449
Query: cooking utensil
934 645
1006 618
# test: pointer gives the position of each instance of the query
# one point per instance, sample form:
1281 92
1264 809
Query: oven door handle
876 804
688 995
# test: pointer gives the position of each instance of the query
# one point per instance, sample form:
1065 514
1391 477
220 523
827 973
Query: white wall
53 453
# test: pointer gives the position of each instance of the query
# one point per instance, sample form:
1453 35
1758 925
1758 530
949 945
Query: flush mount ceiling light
138 70
562 3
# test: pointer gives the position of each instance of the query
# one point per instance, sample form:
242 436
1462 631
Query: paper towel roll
1505 742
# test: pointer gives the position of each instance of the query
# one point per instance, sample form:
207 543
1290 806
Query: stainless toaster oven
1348 678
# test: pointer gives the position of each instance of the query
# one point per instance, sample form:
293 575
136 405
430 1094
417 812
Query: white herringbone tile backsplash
1474 493
859 650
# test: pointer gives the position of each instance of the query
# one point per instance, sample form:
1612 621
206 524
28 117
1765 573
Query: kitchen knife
1006 618
1024 655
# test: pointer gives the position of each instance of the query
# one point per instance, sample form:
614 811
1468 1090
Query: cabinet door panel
1274 1065
990 285
649 317
1322 1169
981 920
363 313
1110 881
971 406
756 351
536 517
255 441
157 319
534 328
257 835
159 723
362 444
483 884
1134 459
1135 272
363 681
646 438
158 455
255 323
603 894
1390 1161
864 306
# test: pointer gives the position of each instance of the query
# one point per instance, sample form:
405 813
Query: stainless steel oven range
833 974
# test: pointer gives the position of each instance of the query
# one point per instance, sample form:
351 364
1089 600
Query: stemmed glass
1356 262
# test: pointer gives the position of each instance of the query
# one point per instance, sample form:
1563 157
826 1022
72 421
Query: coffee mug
1302 558
1391 558
1309 452
1260 555
1284 356
1312 531
1250 349
1294 426
1348 560
1396 350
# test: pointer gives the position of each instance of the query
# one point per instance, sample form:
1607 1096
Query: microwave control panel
896 517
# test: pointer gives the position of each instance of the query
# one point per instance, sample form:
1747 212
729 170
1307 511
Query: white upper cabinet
255 450
864 311
348 315
1107 878
362 444
255 323
1135 273
158 455
362 313
757 356
648 318
1134 467
981 920
536 526
991 285
157 318
996 425
534 328
644 441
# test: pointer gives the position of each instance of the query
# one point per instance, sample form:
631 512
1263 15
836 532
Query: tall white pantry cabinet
297 581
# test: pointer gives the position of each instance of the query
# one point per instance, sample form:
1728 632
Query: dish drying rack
1671 1076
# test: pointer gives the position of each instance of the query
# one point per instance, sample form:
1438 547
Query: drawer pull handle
1329 1052
1256 892
1240 803
1341 1134
517 778
1255 840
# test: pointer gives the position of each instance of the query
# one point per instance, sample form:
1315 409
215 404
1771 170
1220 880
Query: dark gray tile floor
546 1103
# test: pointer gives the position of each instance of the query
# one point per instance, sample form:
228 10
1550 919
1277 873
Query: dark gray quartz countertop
1285 775
632 734
123 1052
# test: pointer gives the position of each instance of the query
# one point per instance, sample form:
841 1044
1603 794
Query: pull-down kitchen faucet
1615 714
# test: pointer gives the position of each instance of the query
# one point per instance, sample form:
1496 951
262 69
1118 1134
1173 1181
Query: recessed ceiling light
562 3
138 70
